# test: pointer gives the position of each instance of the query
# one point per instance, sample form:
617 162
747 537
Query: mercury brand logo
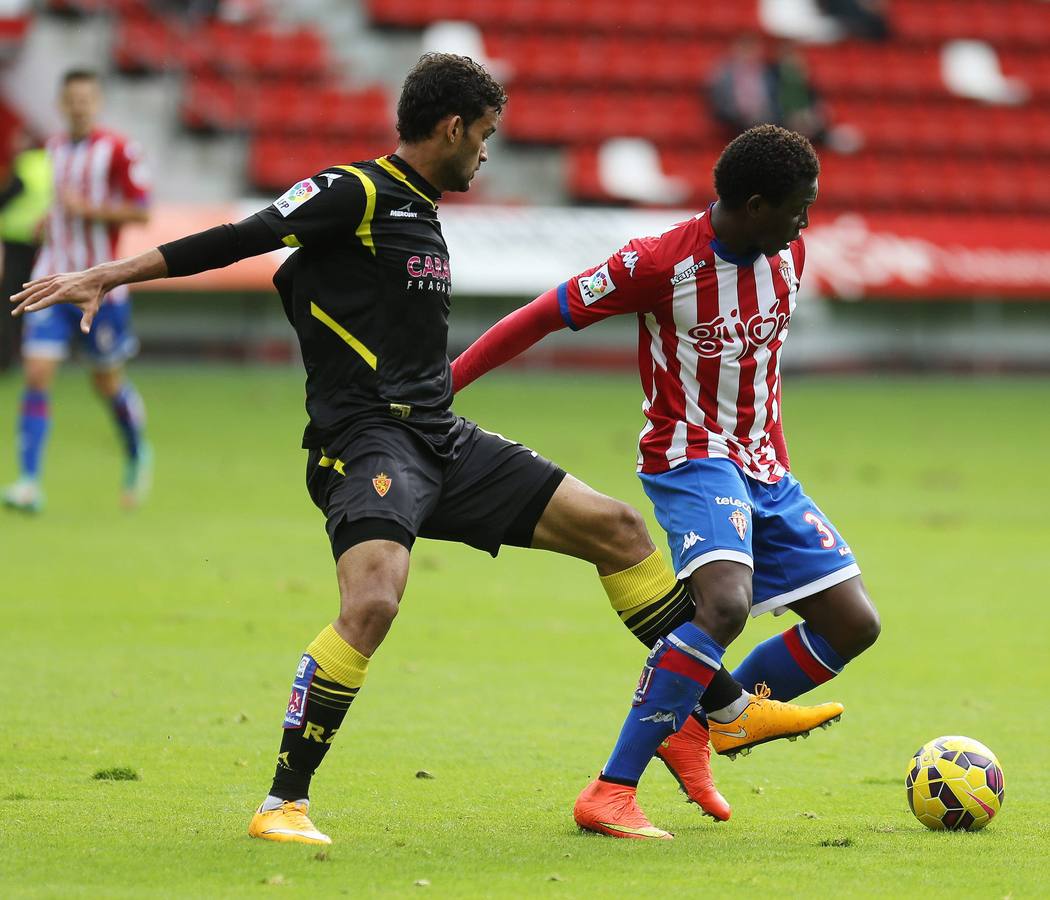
711 338
404 212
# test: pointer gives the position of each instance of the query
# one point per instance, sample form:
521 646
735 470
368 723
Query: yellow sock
649 600
339 661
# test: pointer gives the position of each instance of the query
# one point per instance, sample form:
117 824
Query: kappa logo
691 540
629 258
404 212
596 285
739 521
685 274
658 718
381 483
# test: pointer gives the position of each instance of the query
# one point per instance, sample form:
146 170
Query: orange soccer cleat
612 809
687 755
765 720
289 822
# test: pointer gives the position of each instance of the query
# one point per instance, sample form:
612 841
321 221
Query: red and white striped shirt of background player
711 329
102 168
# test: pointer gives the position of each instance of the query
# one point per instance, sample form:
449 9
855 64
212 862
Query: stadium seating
588 72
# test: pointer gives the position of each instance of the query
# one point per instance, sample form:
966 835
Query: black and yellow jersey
368 292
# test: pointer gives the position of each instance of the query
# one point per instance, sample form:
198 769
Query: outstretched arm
510 336
211 249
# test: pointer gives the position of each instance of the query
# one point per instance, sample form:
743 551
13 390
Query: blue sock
33 423
676 673
790 663
130 415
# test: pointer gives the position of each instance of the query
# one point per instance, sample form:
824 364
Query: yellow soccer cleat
612 809
765 720
289 822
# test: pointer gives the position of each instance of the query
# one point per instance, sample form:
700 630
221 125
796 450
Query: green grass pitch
165 641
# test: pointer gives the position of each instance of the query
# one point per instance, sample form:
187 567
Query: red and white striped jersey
102 168
711 328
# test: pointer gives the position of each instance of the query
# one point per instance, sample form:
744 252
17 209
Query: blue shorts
47 334
712 511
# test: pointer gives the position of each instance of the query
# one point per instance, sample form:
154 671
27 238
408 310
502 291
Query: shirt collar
736 259
414 178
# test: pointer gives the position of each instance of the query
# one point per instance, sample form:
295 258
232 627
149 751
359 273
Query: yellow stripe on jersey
291 240
393 170
367 355
364 230
327 462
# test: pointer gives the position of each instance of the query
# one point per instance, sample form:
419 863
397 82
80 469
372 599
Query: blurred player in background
368 293
24 202
99 186
714 297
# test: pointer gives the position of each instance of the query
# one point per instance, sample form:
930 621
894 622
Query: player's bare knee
727 612
625 534
368 611
865 631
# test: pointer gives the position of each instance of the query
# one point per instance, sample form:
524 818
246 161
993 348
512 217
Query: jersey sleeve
129 175
318 210
629 281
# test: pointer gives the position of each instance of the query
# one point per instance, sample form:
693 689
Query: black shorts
388 483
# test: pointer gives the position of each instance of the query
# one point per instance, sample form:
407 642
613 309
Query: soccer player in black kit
368 292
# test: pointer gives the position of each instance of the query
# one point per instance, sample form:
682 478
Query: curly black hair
767 160
443 84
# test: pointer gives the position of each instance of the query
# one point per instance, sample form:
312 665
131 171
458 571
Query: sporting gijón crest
739 521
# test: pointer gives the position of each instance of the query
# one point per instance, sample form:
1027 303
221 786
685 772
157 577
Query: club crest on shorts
739 521
381 483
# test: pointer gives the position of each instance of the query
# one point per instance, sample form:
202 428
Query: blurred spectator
24 201
861 18
190 10
799 107
741 90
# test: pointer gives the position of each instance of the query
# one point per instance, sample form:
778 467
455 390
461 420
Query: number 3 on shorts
827 538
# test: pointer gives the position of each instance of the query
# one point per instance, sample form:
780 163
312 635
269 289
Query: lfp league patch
293 716
296 196
596 285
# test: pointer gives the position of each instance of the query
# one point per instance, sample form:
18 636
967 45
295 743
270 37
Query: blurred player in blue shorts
713 296
99 186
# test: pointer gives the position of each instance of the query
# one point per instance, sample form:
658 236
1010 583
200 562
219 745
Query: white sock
272 802
728 713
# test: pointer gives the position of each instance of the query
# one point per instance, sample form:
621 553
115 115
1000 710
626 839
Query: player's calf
840 624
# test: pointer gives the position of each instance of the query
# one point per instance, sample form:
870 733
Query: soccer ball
954 784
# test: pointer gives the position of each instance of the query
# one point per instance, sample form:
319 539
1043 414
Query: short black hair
443 84
767 160
79 75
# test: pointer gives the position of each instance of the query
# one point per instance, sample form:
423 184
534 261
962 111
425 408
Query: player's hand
83 289
76 205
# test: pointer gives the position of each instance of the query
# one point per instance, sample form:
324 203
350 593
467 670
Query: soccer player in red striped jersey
714 297
99 186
